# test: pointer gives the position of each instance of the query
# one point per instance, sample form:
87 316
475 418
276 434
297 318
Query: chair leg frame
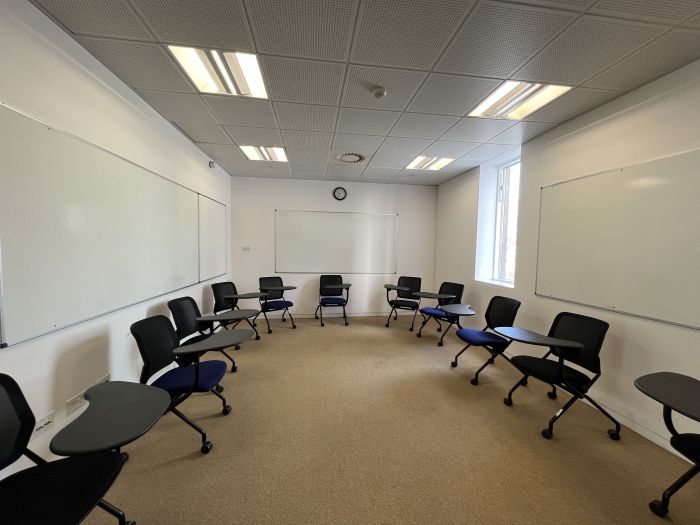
660 508
234 367
191 423
253 325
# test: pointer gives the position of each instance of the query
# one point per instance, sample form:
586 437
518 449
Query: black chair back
330 279
413 285
271 281
185 312
16 421
156 339
455 289
220 291
501 311
588 331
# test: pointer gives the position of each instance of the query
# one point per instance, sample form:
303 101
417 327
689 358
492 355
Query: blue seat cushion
438 314
481 338
547 370
404 303
276 305
340 301
179 380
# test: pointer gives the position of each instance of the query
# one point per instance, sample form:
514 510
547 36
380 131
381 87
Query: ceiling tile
587 47
460 166
658 11
244 136
305 117
307 139
574 5
498 39
415 177
139 64
410 33
366 121
487 152
398 152
110 19
399 84
380 173
522 132
307 160
208 133
347 143
241 111
303 28
278 170
422 126
451 95
204 23
575 102
228 157
471 129
449 149
346 171
693 22
305 81
668 53
178 106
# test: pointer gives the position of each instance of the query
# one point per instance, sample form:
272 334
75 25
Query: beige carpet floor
364 424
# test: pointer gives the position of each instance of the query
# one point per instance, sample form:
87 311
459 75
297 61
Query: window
506 223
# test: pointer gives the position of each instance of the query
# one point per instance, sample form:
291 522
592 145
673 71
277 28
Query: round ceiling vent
350 158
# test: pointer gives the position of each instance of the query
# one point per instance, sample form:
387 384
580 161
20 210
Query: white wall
659 119
253 225
47 75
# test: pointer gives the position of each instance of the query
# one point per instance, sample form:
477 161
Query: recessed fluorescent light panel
428 163
268 153
515 100
221 72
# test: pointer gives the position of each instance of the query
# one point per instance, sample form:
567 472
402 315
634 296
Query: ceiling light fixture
428 163
221 72
269 153
514 100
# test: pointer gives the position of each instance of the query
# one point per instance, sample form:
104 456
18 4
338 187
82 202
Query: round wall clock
340 193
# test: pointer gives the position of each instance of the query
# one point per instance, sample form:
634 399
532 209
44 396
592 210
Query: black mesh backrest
501 311
16 421
220 291
271 281
455 289
156 339
412 283
185 312
588 331
330 279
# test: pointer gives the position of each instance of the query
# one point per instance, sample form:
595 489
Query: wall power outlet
75 402
44 423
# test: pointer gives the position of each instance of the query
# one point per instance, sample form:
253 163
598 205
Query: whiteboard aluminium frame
396 240
621 169
3 342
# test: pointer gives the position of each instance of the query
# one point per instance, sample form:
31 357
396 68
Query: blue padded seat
404 303
481 338
435 312
333 300
179 380
547 370
276 305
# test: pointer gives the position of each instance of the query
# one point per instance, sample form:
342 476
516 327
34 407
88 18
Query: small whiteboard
626 240
335 242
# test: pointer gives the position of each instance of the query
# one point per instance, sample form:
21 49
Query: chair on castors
59 492
404 299
436 314
588 331
185 312
223 304
689 446
156 340
330 297
274 301
501 311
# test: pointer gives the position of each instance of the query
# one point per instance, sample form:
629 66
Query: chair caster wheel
410 329
387 325
284 320
439 329
323 324
507 402
552 395
547 434
269 331
453 364
234 369
294 326
315 316
418 334
475 382
257 337
347 324
440 343
255 324
206 447
658 508
615 436
237 347
227 410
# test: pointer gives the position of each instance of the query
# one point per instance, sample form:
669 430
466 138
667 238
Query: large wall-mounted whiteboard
335 242
84 232
626 240
212 238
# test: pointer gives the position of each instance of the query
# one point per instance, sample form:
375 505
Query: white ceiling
437 60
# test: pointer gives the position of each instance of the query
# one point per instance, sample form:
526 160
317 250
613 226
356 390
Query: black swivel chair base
319 310
394 312
286 311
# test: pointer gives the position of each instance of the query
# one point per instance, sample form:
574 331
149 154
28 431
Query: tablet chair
689 446
588 331
404 299
274 301
328 297
437 314
63 491
185 312
501 311
156 340
222 304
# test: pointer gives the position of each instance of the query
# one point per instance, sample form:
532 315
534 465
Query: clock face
340 193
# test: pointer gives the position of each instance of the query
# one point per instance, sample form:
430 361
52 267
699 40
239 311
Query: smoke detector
379 92
350 158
